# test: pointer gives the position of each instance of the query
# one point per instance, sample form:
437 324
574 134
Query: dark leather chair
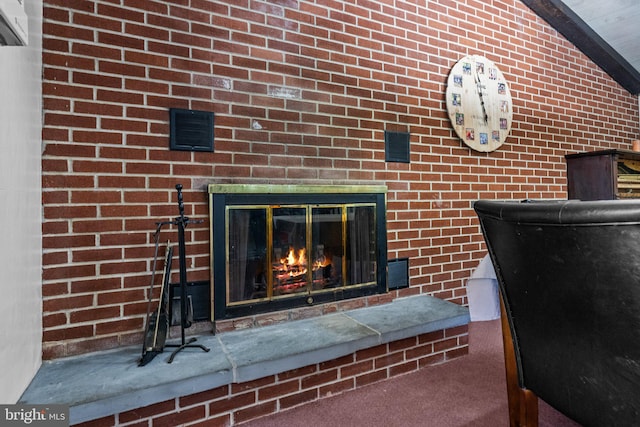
569 277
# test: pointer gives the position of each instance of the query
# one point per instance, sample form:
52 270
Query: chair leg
523 403
528 409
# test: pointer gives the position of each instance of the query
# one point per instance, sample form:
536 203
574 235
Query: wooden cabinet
603 175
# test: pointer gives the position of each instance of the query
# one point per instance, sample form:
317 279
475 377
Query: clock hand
479 87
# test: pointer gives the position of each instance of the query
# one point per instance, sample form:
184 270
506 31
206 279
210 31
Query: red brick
298 398
180 417
278 389
67 31
388 359
52 258
319 379
402 344
94 314
53 288
371 377
53 320
371 352
55 14
431 360
430 337
65 272
68 333
337 387
356 369
194 399
119 326
296 373
120 297
236 401
148 411
53 134
95 285
460 330
53 350
403 368
445 344
255 411
457 352
420 351
52 119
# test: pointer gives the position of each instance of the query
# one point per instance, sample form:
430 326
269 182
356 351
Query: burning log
290 272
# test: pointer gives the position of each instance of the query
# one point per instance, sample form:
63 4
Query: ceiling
607 31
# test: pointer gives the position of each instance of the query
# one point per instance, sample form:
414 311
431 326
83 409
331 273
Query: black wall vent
191 130
398 273
198 300
396 145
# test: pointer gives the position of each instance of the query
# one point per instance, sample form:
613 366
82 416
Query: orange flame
293 260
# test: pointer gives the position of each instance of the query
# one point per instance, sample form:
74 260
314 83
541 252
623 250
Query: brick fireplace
276 247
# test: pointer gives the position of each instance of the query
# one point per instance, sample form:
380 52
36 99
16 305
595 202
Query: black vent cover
398 273
191 130
396 145
198 298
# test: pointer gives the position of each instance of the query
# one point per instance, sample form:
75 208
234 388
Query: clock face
479 103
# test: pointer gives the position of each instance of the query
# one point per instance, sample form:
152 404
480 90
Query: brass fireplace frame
223 197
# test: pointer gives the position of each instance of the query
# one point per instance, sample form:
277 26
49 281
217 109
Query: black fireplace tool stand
181 222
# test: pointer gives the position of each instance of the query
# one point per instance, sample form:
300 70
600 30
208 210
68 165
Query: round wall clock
479 103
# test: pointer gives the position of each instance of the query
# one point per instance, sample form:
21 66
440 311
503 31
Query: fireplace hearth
275 247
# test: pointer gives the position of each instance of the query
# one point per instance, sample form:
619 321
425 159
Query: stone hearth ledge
109 382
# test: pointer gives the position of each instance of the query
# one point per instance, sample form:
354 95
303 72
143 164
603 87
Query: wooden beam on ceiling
578 32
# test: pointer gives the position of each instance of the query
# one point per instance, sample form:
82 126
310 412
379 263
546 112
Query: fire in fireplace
276 247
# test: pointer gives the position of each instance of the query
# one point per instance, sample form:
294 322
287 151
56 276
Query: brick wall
302 91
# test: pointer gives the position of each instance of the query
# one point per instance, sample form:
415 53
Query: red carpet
469 391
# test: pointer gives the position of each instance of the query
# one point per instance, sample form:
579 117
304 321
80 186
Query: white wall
20 210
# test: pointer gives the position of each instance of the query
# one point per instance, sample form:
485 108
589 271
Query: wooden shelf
603 175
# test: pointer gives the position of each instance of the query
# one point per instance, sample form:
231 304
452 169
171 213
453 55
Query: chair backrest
569 275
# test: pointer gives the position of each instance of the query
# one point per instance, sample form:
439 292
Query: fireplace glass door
279 251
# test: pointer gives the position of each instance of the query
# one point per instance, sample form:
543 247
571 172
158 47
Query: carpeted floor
469 391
